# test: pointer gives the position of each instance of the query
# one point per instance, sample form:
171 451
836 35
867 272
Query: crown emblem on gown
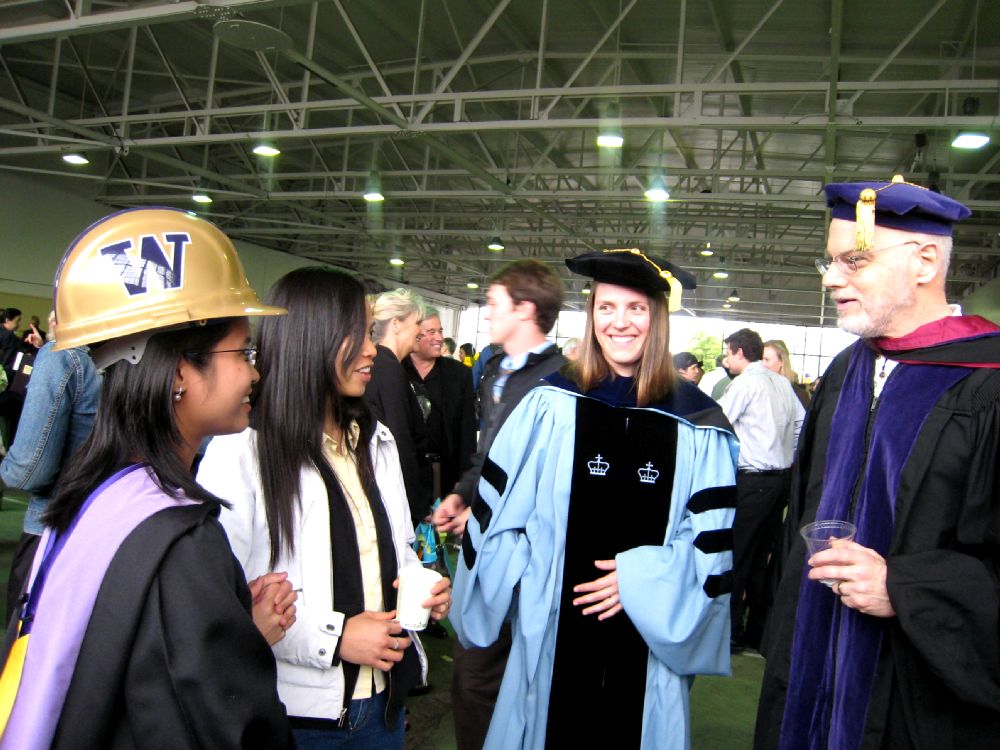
648 475
598 467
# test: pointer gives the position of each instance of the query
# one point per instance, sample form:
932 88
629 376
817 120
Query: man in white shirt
767 417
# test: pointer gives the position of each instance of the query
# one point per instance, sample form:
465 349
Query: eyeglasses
847 263
249 353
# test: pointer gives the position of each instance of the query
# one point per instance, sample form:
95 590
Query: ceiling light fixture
77 159
373 189
970 140
201 197
610 134
586 289
721 273
610 138
472 285
495 244
734 296
726 306
657 192
266 149
397 262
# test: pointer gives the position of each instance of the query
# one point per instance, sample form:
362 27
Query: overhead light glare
610 134
970 140
373 190
265 149
726 306
708 253
201 197
397 262
734 296
472 285
585 290
495 244
720 275
77 159
610 139
657 195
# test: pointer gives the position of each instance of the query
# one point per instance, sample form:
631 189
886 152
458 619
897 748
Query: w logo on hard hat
151 268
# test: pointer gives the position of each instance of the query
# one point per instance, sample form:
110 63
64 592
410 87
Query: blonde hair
399 304
654 375
786 360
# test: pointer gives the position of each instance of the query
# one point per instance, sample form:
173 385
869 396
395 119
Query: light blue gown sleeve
676 595
509 551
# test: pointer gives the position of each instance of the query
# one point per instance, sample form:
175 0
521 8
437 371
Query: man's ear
929 256
525 310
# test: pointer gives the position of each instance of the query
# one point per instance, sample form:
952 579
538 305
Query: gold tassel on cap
864 232
674 300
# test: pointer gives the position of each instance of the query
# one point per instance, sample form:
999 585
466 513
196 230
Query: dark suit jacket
493 415
392 400
451 425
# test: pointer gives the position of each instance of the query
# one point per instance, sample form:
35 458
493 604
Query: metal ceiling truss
481 117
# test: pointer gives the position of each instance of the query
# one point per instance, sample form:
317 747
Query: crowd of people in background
218 516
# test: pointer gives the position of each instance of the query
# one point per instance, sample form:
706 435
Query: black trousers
760 503
475 686
11 404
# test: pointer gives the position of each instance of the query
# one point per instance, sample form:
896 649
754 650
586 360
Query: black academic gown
937 684
171 658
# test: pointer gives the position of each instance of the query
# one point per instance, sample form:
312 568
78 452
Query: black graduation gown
937 686
171 658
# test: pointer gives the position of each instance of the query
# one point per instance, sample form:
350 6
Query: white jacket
307 683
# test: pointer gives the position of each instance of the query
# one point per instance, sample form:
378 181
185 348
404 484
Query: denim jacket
58 413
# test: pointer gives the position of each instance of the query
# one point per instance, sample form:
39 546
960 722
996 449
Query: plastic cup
415 584
821 535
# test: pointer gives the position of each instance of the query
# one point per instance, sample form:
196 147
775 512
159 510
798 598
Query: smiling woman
316 489
134 569
621 439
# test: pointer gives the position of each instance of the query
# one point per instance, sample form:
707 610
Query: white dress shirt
767 417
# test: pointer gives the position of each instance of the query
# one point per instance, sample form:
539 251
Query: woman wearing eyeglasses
316 490
135 628
603 531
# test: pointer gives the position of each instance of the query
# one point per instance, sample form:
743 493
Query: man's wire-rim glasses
848 262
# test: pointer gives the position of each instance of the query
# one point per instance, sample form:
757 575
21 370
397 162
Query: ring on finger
395 644
613 599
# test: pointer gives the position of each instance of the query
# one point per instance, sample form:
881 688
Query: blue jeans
56 418
365 729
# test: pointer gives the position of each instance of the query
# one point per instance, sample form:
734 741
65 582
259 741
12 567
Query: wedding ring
836 588
395 644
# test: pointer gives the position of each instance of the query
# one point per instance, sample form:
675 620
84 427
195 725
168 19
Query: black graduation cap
897 205
635 269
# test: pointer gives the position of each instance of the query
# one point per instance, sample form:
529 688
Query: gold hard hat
146 269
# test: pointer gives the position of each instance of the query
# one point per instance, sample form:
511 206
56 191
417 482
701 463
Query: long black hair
297 359
135 422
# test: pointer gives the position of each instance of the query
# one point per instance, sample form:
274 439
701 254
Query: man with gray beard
901 647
